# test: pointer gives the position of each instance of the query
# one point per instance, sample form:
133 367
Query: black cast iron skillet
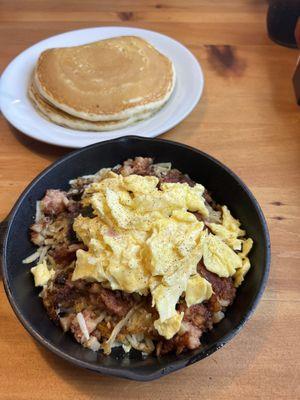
226 188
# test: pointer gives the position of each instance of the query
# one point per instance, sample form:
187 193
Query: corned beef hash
138 256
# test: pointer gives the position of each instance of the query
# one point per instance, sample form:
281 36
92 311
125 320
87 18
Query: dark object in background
296 77
296 82
281 21
226 187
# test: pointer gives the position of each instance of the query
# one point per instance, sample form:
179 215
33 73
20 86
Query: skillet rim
121 372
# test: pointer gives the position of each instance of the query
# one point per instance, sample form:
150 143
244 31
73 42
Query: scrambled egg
42 274
219 258
198 289
143 240
168 327
229 230
146 239
240 273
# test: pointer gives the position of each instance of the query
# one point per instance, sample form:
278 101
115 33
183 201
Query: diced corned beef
138 166
95 288
54 230
63 255
116 302
209 200
190 339
62 277
54 202
90 322
175 176
199 316
144 166
197 319
213 304
73 208
64 296
222 287
65 293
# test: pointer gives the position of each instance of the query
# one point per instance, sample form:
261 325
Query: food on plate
93 86
138 256
62 118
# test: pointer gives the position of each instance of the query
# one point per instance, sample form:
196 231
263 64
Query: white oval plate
18 110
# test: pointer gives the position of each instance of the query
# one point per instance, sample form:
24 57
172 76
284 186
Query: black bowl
226 188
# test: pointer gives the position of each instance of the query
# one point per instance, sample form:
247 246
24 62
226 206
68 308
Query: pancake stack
102 86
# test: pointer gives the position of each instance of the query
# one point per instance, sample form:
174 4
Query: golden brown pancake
107 80
59 117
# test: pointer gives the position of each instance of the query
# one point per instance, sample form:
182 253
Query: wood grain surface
249 120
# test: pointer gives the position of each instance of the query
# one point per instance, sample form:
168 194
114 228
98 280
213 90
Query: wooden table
248 119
